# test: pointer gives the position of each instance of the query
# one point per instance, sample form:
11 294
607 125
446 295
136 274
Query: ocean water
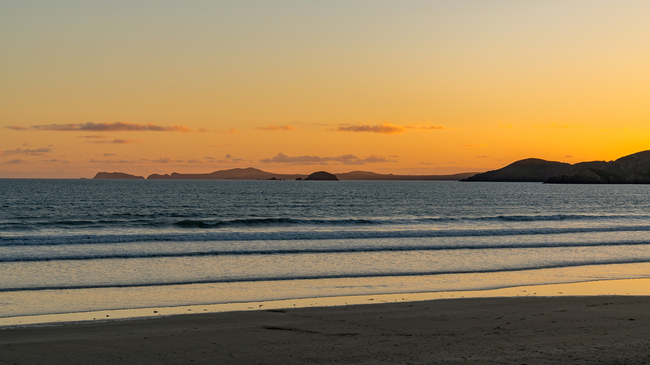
80 245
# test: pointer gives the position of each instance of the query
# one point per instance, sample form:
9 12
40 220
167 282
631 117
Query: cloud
384 128
426 127
116 141
375 159
476 145
229 131
163 159
16 161
94 136
15 127
112 127
208 159
277 128
305 160
229 159
27 151
195 161
317 160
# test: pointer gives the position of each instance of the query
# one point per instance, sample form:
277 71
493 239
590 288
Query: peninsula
631 169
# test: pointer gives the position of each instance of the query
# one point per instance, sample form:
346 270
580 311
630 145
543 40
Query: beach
519 330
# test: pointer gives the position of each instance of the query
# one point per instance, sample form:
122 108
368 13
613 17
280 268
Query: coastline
526 327
592 288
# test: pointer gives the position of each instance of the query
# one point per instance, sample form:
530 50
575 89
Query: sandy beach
525 330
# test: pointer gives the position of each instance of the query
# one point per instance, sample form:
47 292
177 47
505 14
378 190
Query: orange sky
421 87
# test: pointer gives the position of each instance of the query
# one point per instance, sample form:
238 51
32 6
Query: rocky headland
631 169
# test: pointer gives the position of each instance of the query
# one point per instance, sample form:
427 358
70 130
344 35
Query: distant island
117 176
631 169
322 175
251 173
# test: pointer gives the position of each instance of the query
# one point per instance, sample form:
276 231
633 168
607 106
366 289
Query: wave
273 221
158 221
207 236
298 251
324 277
253 222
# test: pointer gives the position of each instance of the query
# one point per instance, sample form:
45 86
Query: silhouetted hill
322 175
251 173
528 170
632 169
231 174
117 176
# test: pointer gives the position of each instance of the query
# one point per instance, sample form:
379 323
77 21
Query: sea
86 245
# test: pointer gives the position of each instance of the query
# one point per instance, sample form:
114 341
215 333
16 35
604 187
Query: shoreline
497 330
591 288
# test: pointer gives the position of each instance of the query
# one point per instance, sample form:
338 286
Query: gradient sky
421 87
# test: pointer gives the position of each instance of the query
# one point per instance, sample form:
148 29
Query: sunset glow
418 87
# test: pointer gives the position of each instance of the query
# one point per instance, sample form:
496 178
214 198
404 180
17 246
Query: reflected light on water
634 287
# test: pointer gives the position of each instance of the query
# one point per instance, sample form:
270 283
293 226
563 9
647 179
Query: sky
296 86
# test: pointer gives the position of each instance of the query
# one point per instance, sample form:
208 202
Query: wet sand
524 330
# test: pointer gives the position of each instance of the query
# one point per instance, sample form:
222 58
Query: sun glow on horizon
290 87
